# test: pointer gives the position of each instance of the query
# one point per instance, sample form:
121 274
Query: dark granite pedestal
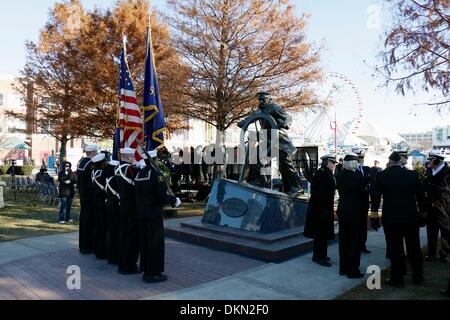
256 222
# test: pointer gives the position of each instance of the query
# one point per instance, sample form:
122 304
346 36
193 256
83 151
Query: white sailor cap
435 155
98 158
141 164
128 151
152 154
330 156
90 147
114 163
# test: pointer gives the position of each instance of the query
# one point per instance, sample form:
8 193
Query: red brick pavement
44 277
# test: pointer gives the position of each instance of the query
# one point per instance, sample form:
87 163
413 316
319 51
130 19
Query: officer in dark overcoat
402 195
437 185
319 224
365 173
350 212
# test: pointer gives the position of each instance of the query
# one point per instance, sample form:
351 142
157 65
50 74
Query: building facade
441 137
418 139
37 145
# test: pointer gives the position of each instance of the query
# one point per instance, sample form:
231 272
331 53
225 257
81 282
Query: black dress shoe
322 262
328 258
430 258
343 272
154 278
398 283
364 250
355 275
128 272
86 252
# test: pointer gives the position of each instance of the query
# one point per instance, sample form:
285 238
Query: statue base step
273 247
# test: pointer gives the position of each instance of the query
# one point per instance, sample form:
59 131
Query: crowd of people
408 203
121 215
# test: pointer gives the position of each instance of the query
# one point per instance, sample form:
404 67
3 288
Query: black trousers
320 249
100 232
152 245
129 243
113 234
349 248
364 229
410 235
86 227
433 228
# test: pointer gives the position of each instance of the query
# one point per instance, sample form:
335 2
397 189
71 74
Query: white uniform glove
67 182
178 203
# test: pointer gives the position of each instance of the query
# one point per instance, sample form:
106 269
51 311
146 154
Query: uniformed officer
351 186
402 192
113 213
152 194
98 202
319 224
365 173
129 232
438 206
84 185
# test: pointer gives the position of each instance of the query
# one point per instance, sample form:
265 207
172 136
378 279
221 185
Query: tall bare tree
417 48
236 48
52 67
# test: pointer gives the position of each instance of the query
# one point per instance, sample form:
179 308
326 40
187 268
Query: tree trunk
220 169
63 149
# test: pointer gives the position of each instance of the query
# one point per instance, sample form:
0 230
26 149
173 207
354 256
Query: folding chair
55 195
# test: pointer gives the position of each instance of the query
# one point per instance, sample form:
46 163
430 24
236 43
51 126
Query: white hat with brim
128 151
330 156
141 164
90 148
434 155
98 158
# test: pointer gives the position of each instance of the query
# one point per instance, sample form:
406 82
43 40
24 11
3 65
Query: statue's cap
263 94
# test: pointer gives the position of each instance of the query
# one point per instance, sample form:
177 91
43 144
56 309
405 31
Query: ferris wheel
359 107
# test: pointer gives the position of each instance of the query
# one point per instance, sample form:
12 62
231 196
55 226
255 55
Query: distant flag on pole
129 132
154 121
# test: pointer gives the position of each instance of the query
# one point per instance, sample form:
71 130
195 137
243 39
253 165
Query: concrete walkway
298 278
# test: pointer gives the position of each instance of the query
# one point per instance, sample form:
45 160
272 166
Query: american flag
130 117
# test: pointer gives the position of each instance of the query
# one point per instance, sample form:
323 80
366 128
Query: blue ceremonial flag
154 120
